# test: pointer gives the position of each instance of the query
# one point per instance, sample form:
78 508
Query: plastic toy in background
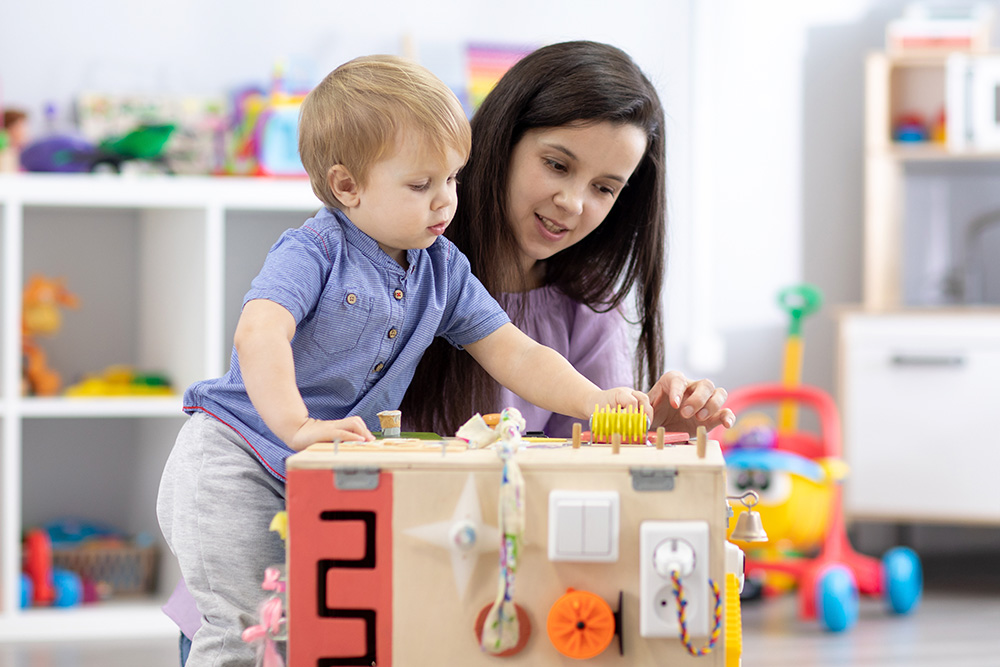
798 478
799 301
13 139
121 380
48 585
193 146
41 315
272 627
484 65
264 131
67 153
910 128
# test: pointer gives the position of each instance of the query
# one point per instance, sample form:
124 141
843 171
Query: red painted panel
339 572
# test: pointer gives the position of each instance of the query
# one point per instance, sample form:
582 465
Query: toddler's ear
343 185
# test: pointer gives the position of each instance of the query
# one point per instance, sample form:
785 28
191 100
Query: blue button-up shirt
362 324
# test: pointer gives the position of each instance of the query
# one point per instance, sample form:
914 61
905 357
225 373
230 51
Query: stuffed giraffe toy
41 316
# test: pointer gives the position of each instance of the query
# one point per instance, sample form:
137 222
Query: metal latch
653 479
356 479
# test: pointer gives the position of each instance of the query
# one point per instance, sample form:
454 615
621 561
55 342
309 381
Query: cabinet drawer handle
949 360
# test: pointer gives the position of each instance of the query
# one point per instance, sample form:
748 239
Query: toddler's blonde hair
356 114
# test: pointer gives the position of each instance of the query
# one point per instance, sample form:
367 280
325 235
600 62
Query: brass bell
749 528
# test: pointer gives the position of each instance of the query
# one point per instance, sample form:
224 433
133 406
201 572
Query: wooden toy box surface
362 591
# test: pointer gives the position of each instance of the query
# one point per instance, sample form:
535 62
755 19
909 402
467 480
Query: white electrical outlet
665 546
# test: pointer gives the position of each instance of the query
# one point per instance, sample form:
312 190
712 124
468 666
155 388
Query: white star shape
465 536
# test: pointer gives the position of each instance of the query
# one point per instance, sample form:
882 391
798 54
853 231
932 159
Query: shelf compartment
111 407
137 308
141 618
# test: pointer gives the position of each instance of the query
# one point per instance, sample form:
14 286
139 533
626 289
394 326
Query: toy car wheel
837 598
753 588
904 579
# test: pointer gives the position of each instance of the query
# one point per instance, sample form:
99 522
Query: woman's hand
682 405
351 429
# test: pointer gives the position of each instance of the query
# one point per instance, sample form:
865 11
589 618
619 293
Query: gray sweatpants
214 507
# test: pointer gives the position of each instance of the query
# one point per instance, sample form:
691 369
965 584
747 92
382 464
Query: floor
957 625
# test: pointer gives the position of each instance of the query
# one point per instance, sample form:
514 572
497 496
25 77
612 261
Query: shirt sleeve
294 272
471 313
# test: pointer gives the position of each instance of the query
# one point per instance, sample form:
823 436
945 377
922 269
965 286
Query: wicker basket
121 569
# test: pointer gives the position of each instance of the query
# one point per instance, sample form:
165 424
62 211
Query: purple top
182 610
596 344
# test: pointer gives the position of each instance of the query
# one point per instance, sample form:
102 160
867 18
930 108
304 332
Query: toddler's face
409 198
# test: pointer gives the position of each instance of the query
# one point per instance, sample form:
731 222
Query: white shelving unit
918 366
160 265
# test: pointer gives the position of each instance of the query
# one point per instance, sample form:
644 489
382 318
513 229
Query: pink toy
271 628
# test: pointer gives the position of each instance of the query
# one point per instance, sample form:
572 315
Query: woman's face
564 180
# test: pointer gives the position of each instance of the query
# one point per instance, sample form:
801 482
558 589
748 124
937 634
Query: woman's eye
552 164
606 190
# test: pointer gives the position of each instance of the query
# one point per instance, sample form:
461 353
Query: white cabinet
920 364
160 266
920 393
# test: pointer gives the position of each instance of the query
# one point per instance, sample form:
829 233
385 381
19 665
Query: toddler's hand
351 429
623 396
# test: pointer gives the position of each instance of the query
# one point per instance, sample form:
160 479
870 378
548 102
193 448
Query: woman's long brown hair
567 83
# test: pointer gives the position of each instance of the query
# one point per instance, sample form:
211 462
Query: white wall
764 104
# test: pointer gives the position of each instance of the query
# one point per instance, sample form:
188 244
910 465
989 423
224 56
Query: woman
562 214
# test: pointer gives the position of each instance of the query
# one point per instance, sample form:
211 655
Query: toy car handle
818 400
799 301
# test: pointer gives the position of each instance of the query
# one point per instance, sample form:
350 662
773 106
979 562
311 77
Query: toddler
332 329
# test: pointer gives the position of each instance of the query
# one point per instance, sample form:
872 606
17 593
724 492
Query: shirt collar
369 247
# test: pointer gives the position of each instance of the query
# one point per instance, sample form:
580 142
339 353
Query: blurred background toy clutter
68 562
252 132
797 474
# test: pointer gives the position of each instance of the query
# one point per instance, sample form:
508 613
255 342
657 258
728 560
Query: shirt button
352 298
392 333
379 366
398 294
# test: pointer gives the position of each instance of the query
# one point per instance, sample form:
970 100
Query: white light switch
584 526
597 528
569 528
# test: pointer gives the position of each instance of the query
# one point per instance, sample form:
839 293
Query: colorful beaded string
682 616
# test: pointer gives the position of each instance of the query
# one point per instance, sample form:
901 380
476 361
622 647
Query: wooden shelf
160 265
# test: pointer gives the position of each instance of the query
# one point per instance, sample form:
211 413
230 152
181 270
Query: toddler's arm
542 376
263 343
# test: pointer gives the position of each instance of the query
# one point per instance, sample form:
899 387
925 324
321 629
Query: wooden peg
702 441
576 435
616 443
660 437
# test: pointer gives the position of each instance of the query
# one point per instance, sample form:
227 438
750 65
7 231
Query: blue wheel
837 598
69 588
27 591
903 579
